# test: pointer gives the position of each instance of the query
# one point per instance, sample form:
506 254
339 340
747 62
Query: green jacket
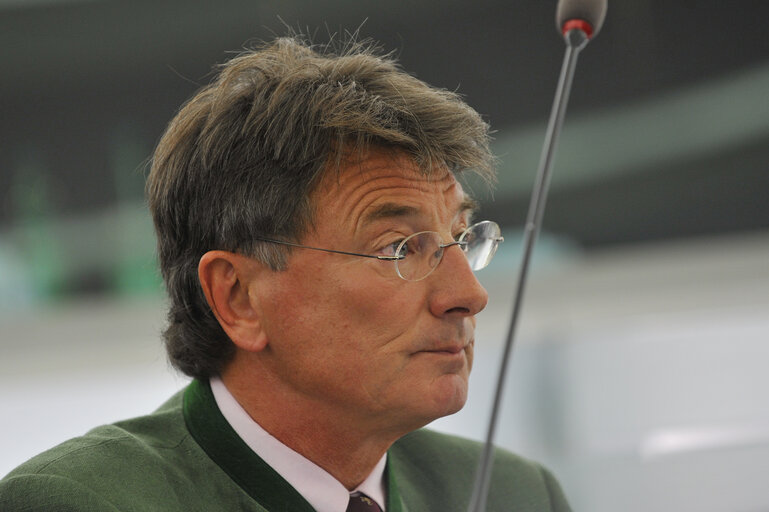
185 457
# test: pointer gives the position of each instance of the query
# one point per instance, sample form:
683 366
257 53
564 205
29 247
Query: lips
448 340
449 348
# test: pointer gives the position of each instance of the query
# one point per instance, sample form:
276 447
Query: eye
392 248
461 232
469 236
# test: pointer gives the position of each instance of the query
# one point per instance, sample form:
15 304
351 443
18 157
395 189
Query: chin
443 396
450 395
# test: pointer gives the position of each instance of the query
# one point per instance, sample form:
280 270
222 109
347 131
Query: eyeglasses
417 255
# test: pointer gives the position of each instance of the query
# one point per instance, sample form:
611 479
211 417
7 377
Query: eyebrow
395 210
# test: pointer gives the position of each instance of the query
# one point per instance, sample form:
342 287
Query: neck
345 445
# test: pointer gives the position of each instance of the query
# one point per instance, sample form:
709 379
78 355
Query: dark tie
359 502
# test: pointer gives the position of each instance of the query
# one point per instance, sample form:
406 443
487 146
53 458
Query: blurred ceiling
667 133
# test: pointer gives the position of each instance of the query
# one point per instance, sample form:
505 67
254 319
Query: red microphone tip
582 25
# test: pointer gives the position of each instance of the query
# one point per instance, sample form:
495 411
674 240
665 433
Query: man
318 251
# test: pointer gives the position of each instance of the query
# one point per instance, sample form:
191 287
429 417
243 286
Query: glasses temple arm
291 244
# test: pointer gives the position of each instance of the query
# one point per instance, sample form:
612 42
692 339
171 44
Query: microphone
585 15
578 21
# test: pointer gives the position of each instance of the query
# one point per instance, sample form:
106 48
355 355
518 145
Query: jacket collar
220 442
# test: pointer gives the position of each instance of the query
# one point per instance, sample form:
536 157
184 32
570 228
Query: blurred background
639 371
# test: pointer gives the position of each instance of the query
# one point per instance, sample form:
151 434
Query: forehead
388 184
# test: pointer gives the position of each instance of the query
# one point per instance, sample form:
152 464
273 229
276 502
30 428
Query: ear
225 278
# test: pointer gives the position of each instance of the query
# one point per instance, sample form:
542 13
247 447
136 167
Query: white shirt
321 490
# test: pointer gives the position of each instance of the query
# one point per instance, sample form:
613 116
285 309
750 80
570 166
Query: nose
456 291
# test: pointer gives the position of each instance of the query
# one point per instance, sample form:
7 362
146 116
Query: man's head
255 154
347 337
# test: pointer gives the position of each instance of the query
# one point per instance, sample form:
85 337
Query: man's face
346 332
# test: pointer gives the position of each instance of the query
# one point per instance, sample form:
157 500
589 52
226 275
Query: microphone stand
576 40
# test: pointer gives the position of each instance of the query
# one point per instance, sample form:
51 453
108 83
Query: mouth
447 358
450 349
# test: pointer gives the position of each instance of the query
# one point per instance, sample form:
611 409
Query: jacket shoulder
43 492
107 467
428 465
144 435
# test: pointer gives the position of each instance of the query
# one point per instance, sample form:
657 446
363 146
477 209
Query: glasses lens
421 253
482 240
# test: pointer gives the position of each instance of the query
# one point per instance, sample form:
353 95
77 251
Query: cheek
352 307
292 301
383 308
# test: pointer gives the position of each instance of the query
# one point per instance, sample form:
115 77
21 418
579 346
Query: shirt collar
324 492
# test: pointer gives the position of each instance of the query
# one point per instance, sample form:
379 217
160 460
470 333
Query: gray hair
241 157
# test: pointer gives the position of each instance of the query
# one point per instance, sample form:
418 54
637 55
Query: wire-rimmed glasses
417 255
